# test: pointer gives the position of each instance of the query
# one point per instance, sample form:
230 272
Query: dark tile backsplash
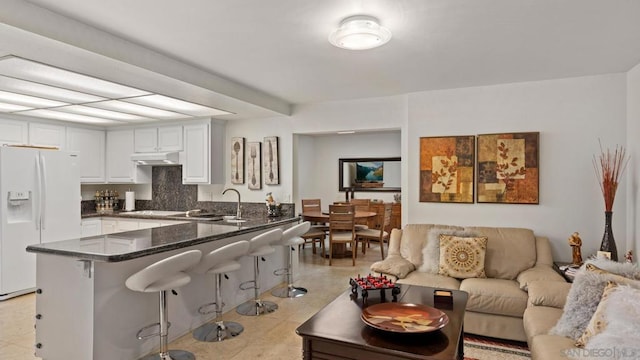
168 193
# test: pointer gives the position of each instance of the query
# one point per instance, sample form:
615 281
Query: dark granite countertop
138 243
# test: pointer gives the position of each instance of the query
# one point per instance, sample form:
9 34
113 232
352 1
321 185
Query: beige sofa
514 258
546 301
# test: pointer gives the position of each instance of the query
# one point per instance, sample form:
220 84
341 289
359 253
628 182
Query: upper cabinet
90 144
47 135
120 168
160 139
13 132
204 153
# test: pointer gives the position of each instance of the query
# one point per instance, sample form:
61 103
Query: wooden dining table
323 216
339 249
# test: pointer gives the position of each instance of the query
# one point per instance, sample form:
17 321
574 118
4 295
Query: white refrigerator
39 203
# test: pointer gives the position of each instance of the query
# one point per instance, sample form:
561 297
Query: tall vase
608 242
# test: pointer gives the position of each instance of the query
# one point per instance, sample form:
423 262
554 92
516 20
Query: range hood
156 158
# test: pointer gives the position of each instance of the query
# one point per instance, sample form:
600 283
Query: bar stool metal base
171 355
289 292
213 332
256 307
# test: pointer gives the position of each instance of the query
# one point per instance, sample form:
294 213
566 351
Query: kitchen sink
201 216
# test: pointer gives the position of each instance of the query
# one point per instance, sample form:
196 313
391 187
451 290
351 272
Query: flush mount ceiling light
360 32
35 89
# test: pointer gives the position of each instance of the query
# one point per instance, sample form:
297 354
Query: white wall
570 114
257 130
320 179
633 172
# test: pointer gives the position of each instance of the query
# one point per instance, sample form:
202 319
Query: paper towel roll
129 201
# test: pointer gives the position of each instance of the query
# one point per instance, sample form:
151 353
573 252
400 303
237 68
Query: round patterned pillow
462 257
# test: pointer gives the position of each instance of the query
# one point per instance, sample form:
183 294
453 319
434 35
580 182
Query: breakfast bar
84 310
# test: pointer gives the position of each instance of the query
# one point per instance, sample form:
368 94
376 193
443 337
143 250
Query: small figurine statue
575 242
628 257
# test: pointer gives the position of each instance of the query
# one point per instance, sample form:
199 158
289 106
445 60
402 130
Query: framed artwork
254 168
447 169
237 160
271 161
508 169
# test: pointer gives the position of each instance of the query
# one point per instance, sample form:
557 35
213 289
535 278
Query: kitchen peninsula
84 310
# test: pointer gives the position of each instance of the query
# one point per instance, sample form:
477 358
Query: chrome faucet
238 210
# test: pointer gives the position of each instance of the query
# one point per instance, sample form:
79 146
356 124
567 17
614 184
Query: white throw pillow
619 334
431 251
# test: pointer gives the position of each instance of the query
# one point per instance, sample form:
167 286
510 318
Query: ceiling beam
68 43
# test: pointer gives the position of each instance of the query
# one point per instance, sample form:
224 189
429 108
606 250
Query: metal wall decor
447 169
271 161
254 178
508 168
237 160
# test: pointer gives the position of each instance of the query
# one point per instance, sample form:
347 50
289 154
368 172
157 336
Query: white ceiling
280 47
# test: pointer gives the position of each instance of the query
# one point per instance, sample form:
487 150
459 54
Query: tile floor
271 336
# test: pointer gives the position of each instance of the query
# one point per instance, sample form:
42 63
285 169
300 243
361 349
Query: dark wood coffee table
337 331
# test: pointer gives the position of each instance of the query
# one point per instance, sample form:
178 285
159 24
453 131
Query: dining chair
318 231
380 234
342 229
361 205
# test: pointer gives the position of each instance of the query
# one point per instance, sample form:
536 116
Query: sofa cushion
431 251
394 265
537 320
586 291
536 273
548 293
430 280
509 250
544 347
414 239
495 296
462 257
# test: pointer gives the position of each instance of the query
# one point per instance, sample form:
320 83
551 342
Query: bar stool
166 274
218 262
291 238
258 247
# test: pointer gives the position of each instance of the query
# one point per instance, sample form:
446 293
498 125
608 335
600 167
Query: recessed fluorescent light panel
57 115
32 88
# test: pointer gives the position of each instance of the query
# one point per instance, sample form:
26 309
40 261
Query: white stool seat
259 246
161 276
218 262
263 250
290 238
165 274
223 260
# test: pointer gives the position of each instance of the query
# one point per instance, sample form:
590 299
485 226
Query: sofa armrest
548 293
394 265
545 273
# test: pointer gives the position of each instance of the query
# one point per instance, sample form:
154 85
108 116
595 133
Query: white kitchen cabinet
112 225
90 144
109 226
120 168
91 227
13 132
204 153
47 135
160 139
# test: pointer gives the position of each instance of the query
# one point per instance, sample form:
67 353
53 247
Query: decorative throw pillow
586 291
598 322
394 265
462 257
431 251
620 334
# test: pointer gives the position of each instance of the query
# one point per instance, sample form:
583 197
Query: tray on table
363 285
